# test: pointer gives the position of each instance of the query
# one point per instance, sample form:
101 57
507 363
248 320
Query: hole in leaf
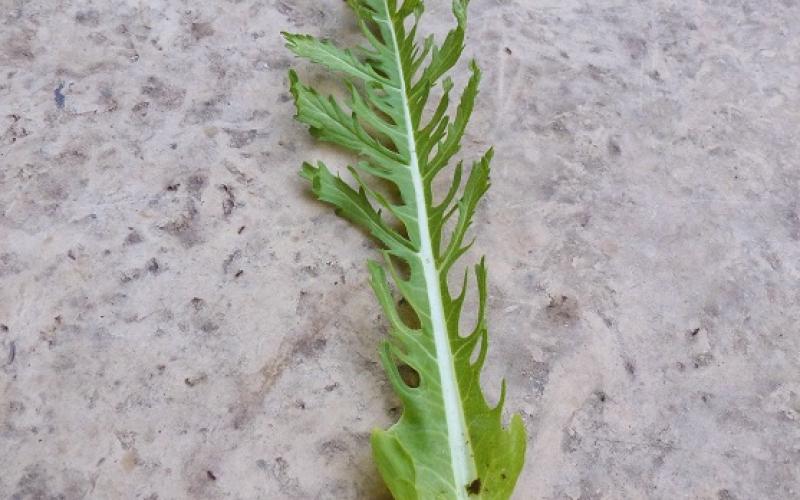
375 63
381 137
388 189
408 315
474 488
400 266
391 194
409 375
476 351
468 318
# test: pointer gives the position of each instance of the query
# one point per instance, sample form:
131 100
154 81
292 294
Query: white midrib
461 458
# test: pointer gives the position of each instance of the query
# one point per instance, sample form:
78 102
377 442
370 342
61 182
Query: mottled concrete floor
179 319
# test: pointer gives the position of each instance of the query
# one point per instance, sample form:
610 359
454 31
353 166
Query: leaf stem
461 456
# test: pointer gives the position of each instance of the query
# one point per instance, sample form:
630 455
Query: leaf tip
294 80
460 11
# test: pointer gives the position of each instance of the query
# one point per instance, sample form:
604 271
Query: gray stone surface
181 320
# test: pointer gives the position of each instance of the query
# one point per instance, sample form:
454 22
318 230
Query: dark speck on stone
201 30
12 353
613 148
59 97
209 327
133 238
153 266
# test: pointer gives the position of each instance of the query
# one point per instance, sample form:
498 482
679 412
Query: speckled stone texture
180 320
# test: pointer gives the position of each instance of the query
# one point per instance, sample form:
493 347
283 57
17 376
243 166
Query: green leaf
449 443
